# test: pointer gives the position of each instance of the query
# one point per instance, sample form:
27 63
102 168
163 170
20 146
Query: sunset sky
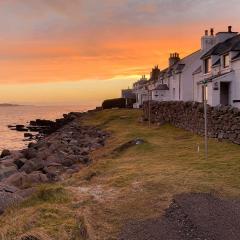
83 51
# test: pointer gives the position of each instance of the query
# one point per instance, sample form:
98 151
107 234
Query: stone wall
223 121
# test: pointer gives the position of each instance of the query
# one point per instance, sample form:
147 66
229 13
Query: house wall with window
217 63
198 88
221 71
160 95
236 86
174 87
181 82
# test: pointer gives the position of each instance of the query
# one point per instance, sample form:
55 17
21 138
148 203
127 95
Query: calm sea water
23 114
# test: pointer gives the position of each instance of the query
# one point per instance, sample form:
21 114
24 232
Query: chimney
223 36
208 41
212 31
174 58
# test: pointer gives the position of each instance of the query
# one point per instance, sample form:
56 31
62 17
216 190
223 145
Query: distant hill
9 105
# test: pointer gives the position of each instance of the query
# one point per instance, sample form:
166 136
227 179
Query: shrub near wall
223 121
114 103
118 103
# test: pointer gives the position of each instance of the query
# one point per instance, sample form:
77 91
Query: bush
114 103
118 103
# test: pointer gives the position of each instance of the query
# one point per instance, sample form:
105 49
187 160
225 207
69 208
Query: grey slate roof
231 44
236 57
210 79
162 87
218 62
198 70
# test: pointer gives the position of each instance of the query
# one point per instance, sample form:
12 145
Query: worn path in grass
136 184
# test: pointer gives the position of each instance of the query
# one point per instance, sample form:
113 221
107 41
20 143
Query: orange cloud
59 41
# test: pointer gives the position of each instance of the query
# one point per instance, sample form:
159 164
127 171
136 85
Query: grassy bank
137 183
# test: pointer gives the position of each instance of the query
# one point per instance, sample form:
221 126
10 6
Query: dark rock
28 135
64 151
32 165
128 145
30 153
5 153
22 180
20 162
7 188
21 128
51 174
85 160
7 171
37 177
15 179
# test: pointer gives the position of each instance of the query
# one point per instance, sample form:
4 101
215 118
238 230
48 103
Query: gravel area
193 216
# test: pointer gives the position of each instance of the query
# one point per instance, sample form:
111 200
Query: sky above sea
77 51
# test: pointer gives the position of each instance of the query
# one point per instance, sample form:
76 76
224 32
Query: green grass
137 183
169 155
48 212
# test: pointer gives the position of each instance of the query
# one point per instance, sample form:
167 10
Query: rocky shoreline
63 146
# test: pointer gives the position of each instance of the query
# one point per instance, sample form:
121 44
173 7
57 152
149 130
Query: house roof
140 82
198 70
181 64
231 44
210 79
218 62
180 67
236 57
162 87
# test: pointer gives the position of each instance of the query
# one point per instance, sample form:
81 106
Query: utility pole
205 120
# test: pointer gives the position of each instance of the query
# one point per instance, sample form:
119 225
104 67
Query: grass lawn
138 183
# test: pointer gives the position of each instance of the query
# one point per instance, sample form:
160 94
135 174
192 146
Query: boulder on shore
22 180
8 197
5 153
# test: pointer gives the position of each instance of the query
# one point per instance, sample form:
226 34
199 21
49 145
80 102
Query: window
207 64
226 60
204 93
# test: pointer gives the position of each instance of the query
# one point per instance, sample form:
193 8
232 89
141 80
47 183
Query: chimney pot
206 32
229 29
212 31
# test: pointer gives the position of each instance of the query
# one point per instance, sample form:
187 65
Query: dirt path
190 217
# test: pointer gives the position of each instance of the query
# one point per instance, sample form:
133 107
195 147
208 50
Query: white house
180 81
160 93
220 70
217 63
141 90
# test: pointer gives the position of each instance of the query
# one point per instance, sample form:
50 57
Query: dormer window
226 61
207 65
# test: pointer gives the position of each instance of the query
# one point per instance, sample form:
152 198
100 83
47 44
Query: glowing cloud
48 42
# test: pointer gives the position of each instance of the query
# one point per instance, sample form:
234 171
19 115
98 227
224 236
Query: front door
224 93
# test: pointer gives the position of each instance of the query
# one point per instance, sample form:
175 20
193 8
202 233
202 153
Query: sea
13 115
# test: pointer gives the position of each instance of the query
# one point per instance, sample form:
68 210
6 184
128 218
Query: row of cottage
216 65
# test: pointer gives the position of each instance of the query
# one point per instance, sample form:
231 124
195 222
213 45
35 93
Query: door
224 93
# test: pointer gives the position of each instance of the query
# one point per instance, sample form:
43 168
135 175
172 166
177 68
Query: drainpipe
180 81
149 111
205 119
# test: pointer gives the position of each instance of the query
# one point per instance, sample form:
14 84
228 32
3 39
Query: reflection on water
22 115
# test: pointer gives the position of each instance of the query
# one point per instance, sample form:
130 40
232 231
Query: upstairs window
207 65
226 61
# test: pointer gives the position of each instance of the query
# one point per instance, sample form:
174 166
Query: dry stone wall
223 121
